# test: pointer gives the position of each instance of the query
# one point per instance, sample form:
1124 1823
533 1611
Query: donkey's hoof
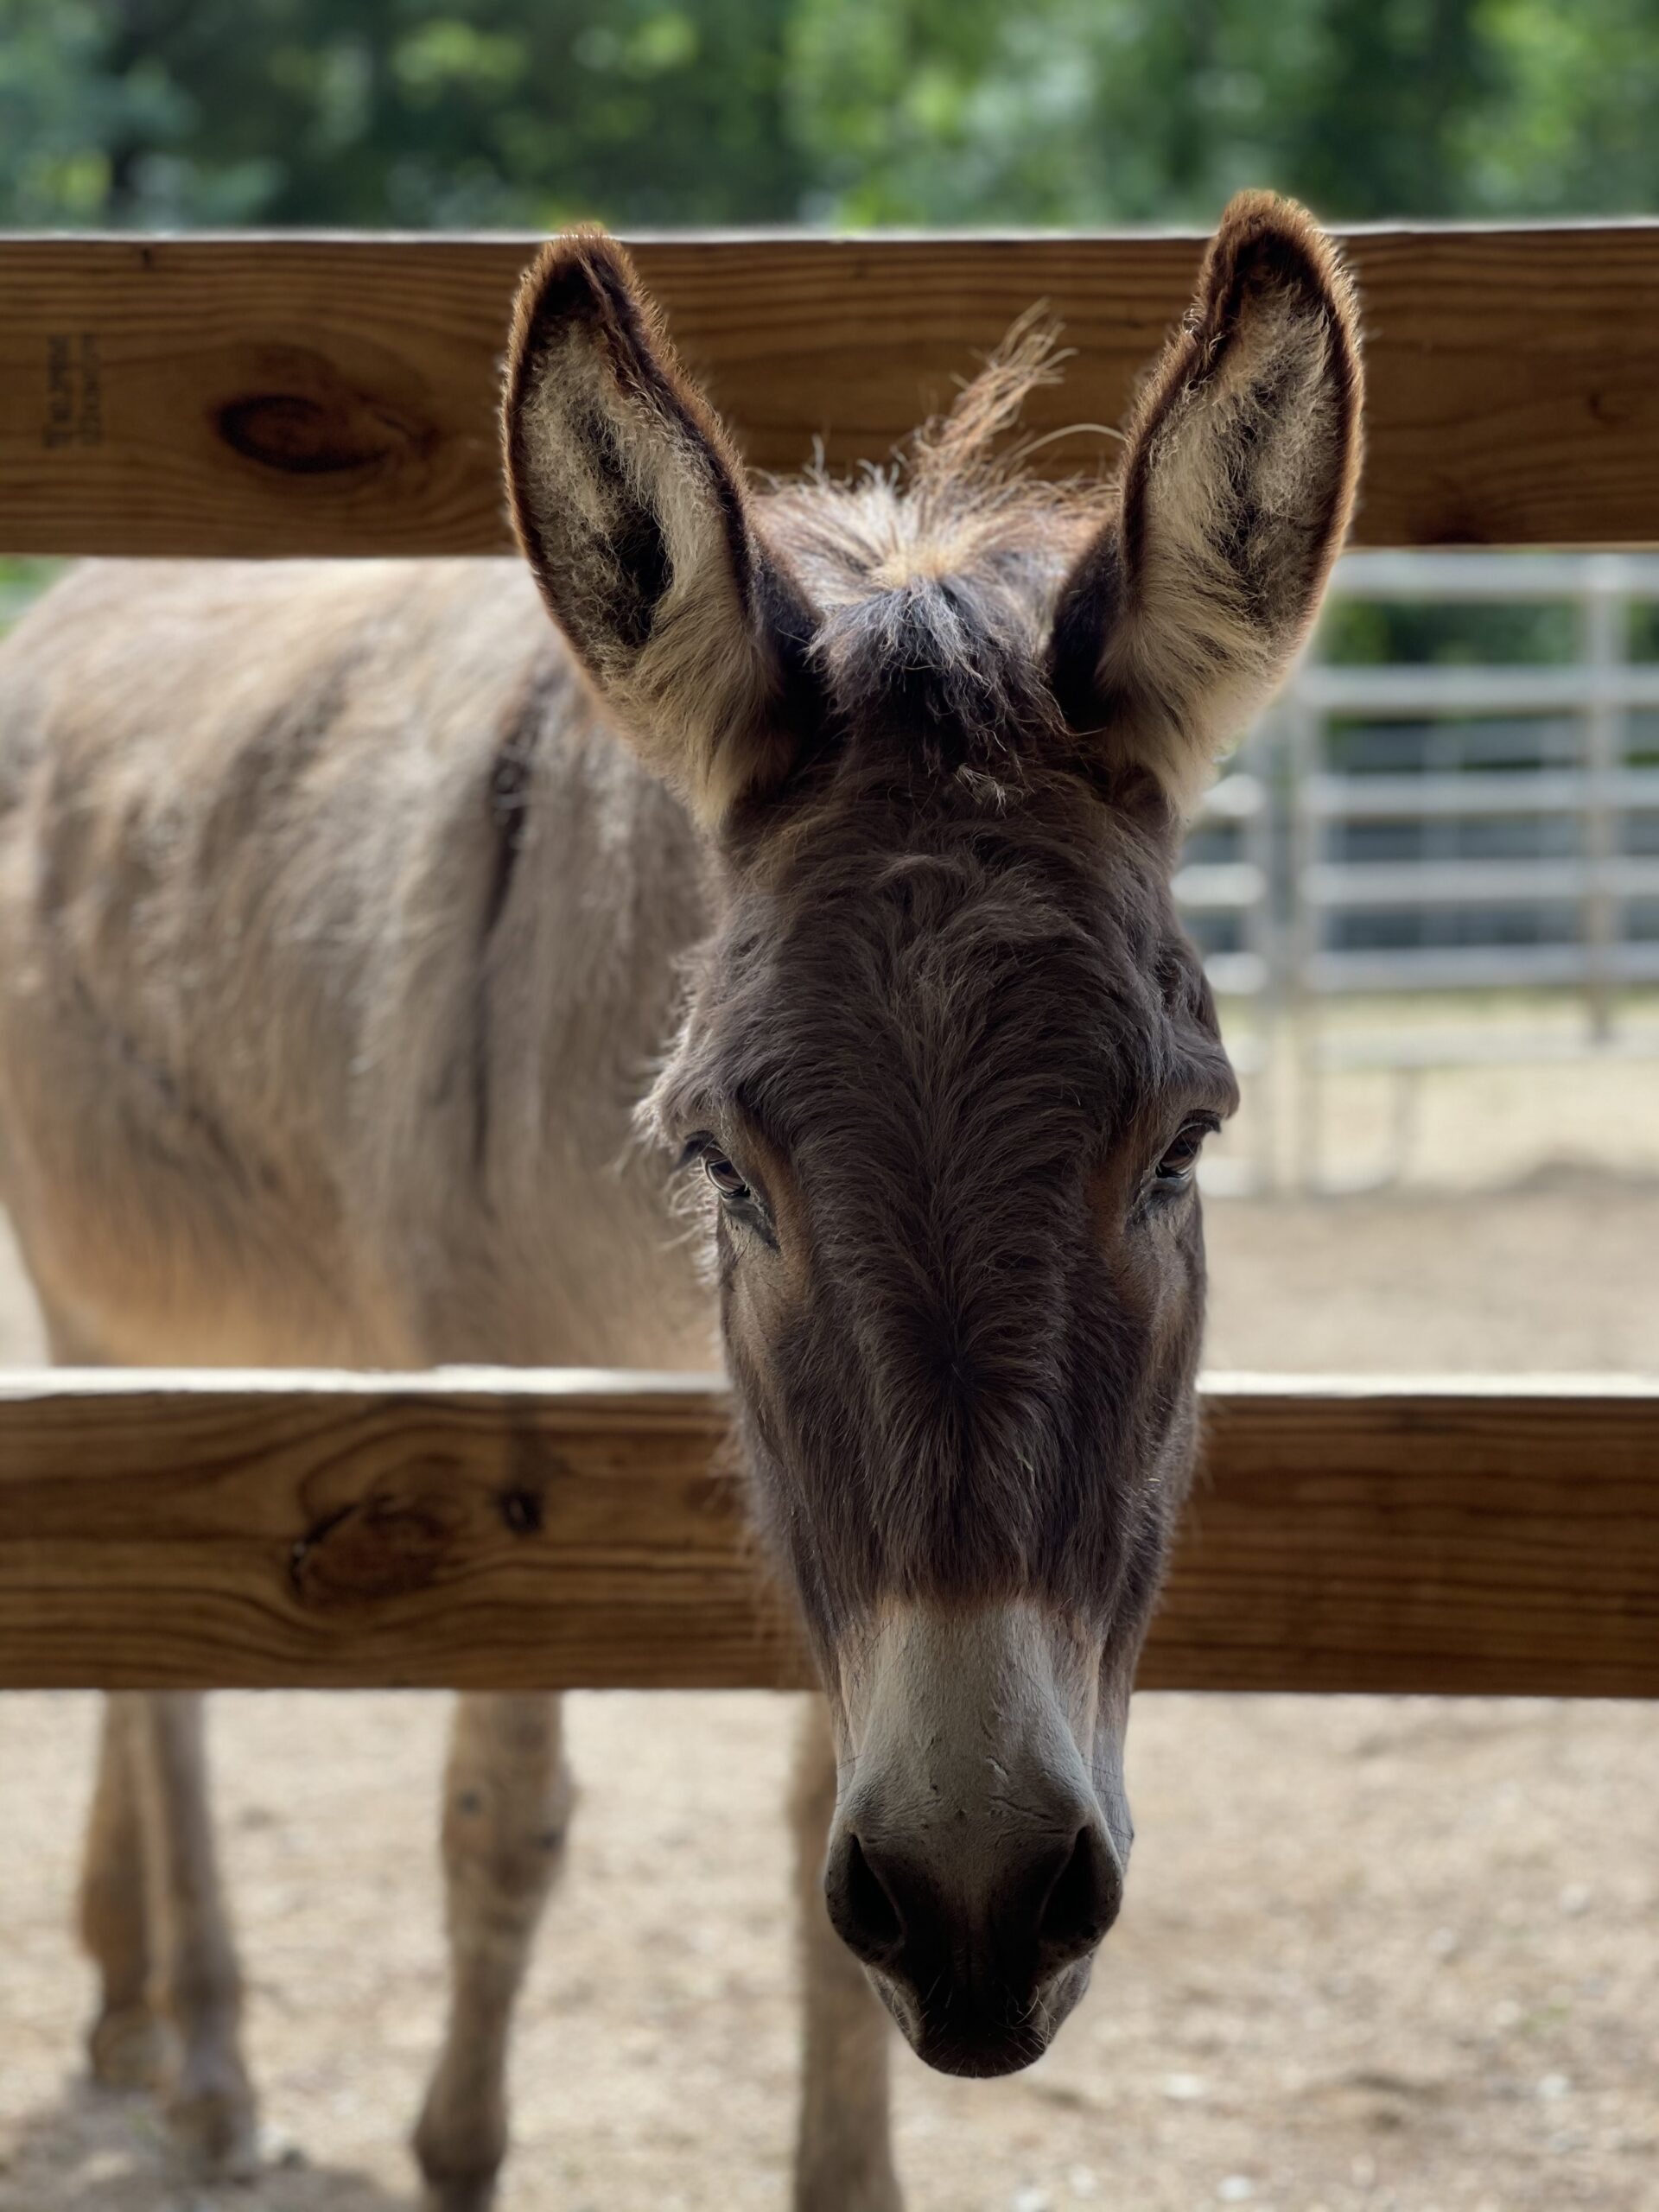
839 2187
459 2145
127 2047
459 2193
211 2117
451 2188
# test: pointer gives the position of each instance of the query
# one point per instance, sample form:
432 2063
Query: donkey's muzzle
979 1955
973 1865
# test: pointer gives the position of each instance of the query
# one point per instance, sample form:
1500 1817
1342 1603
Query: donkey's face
949 1060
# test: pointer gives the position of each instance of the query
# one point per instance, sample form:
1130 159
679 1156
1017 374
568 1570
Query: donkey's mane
934 579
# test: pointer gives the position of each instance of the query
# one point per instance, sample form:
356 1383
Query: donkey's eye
725 1177
1177 1167
738 1200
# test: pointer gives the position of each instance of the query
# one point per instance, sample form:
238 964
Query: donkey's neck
559 1243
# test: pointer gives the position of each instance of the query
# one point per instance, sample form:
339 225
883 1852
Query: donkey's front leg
126 2043
506 1804
843 2152
195 1983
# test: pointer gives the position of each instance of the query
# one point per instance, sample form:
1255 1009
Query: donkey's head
949 1060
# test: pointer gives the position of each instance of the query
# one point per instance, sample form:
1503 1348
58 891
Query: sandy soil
1397 1956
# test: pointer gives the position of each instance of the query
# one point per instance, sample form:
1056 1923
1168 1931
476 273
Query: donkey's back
290 1068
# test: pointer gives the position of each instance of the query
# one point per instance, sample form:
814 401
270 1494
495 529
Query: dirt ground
1401 1955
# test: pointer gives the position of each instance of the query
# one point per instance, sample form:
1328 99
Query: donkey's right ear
629 503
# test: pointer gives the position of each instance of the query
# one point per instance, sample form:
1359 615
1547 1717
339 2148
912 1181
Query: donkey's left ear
629 503
1238 478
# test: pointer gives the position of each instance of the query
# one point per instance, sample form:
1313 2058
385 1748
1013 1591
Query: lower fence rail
496 1529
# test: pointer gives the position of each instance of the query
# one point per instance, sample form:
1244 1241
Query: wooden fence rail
335 395
487 1529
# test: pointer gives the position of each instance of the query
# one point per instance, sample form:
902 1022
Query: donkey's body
341 925
339 938
339 935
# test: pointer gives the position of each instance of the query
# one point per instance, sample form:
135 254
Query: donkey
344 912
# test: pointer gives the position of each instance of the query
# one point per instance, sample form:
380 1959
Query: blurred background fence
1441 848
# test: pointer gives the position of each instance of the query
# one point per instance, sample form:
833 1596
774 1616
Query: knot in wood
300 435
521 1508
396 1539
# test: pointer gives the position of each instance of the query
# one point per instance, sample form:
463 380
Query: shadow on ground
97 2150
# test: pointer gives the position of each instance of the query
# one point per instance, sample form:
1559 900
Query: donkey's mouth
980 2034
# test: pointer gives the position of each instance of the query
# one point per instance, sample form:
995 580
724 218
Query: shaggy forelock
934 582
934 616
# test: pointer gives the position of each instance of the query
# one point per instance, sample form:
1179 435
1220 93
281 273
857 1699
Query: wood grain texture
494 1531
335 395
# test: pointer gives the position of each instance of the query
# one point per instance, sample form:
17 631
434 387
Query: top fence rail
335 395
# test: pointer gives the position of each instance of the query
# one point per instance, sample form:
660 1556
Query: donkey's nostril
1083 1902
868 1921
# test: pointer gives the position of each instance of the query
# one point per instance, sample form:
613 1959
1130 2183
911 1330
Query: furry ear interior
1179 618
628 501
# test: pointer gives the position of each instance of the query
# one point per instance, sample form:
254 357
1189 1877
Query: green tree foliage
157 112
388 113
